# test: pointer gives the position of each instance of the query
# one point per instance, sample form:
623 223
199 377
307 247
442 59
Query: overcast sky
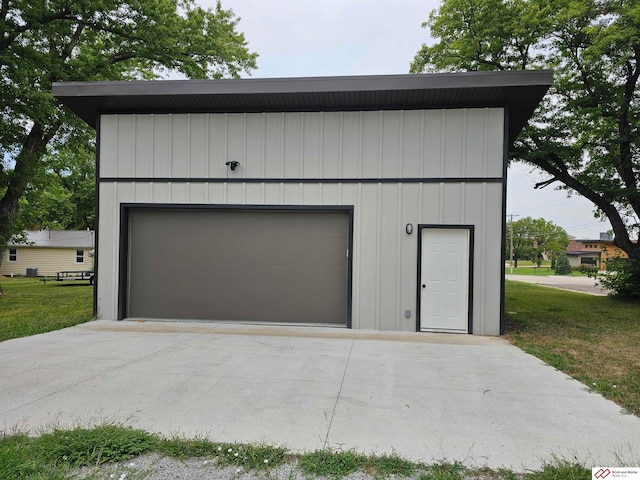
303 38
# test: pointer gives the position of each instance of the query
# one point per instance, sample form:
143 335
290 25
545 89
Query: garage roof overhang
518 91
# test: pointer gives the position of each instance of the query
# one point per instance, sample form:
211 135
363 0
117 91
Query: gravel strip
157 467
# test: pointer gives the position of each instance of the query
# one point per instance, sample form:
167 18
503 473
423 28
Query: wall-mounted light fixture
232 164
409 228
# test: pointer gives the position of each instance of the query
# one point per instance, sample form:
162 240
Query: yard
594 339
30 306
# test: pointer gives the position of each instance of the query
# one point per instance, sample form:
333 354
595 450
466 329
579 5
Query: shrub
587 269
563 267
624 281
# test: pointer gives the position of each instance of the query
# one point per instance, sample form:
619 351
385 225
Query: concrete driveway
427 397
565 282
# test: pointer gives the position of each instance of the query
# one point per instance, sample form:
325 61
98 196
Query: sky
308 38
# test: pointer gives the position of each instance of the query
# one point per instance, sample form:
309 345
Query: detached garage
371 202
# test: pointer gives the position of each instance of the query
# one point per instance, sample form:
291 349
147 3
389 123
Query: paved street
577 284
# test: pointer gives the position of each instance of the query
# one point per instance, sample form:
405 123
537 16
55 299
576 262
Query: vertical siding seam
463 196
301 159
321 145
401 146
422 159
485 144
357 301
282 144
341 147
483 260
378 254
225 149
153 145
207 150
263 150
399 251
441 205
115 233
380 142
464 167
170 172
243 171
443 141
117 143
360 145
189 159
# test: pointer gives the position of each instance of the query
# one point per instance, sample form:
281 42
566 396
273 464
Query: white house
47 252
374 202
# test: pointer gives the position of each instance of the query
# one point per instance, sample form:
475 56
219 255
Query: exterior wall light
409 228
232 164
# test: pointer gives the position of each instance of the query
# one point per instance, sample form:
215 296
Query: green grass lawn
30 306
106 451
594 339
534 270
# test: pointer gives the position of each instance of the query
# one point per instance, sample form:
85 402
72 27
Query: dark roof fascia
519 91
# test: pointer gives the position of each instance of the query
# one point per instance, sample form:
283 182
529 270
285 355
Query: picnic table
73 275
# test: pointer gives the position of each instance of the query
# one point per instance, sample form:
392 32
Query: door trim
471 229
126 208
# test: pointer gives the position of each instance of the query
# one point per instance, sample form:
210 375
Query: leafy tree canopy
62 196
586 134
46 41
533 237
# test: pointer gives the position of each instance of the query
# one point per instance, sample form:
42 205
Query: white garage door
238 265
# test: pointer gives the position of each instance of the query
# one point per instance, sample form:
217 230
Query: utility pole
511 244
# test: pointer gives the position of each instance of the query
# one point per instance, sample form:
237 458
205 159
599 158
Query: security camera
232 164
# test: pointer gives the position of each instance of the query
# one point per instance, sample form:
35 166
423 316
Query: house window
13 254
79 256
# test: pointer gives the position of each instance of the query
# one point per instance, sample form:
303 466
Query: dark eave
519 91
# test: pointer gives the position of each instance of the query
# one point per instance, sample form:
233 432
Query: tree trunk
27 163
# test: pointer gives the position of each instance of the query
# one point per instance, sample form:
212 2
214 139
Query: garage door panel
239 265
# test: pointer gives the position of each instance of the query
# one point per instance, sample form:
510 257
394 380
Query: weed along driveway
427 397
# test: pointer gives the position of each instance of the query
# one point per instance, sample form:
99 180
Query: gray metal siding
314 145
384 256
320 159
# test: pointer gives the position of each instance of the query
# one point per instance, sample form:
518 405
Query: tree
533 237
586 134
46 41
563 267
63 195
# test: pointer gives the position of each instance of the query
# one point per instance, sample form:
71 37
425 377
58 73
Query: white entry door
444 280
